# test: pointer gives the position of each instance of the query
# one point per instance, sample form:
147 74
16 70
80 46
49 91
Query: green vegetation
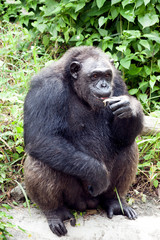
149 164
41 30
4 225
18 63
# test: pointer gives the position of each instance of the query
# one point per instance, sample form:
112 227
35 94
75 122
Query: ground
91 226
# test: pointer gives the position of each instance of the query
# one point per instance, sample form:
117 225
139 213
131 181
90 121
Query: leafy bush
17 63
149 149
128 30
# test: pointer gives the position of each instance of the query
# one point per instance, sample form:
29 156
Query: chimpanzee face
93 79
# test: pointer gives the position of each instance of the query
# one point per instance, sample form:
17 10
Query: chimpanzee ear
74 69
112 61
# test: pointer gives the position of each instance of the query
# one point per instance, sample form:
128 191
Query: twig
2 140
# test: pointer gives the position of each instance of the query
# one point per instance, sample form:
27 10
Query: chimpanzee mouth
101 98
104 98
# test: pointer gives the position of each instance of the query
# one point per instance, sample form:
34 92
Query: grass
20 59
149 164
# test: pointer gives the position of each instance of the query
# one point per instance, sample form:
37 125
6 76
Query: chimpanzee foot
56 218
112 207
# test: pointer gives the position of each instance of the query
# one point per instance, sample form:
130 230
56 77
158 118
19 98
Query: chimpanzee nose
104 84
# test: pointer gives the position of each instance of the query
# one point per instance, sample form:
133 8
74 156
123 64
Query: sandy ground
92 227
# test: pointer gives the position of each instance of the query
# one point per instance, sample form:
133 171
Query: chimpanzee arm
45 112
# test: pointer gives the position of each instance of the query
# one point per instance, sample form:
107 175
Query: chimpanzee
80 126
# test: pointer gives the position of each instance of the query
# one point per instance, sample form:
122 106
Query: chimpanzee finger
125 110
73 222
72 219
130 213
113 100
110 213
125 115
114 106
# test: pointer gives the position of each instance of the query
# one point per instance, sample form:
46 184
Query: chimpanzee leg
120 184
54 192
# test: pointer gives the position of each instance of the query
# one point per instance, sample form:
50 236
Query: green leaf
152 81
51 10
139 3
134 70
133 91
79 6
158 7
19 129
126 2
46 40
147 70
110 45
103 32
100 3
77 38
6 206
143 86
114 12
153 36
121 48
73 14
131 34
53 32
66 36
104 45
97 12
155 183
128 13
114 1
145 43
125 63
143 97
101 21
146 2
19 149
41 27
148 19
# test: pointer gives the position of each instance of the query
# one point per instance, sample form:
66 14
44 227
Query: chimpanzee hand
112 207
100 183
120 106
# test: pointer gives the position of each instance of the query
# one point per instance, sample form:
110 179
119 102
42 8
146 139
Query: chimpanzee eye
108 75
94 75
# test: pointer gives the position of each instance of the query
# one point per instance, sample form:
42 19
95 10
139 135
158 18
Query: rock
94 227
17 193
151 125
